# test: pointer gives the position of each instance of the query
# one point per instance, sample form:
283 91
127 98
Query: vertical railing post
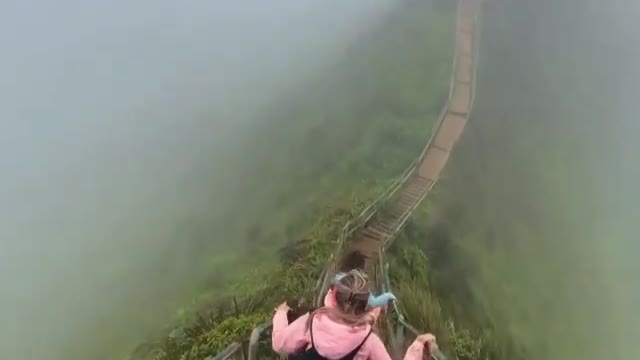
254 340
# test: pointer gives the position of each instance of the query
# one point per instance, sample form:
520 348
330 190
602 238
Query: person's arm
416 350
378 350
288 338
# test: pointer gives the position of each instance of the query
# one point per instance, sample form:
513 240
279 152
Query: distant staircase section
382 221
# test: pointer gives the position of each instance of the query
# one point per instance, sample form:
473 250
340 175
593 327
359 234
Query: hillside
314 160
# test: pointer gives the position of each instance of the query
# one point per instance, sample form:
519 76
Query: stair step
370 254
374 229
410 197
407 202
370 236
438 147
363 253
421 180
387 226
379 230
458 113
415 189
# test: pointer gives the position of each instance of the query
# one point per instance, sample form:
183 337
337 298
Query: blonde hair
352 295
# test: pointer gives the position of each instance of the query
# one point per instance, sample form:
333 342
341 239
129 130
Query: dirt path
379 233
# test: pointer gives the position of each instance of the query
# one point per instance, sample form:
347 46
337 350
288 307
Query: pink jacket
332 340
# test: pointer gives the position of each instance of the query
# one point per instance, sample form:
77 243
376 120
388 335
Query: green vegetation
253 299
314 162
413 279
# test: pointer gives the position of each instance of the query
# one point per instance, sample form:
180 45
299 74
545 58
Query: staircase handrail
233 349
383 268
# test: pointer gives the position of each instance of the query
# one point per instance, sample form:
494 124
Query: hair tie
339 276
380 300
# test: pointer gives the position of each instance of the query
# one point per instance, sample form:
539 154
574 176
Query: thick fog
115 120
542 194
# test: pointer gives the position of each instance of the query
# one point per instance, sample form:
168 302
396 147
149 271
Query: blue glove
380 300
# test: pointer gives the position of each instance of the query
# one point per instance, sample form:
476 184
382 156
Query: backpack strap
353 352
311 330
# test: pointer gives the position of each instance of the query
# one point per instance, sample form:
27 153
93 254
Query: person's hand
427 339
283 307
429 342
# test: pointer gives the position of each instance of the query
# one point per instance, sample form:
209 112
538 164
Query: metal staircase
379 224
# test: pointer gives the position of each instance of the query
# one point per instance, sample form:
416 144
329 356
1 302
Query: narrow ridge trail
381 225
380 231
